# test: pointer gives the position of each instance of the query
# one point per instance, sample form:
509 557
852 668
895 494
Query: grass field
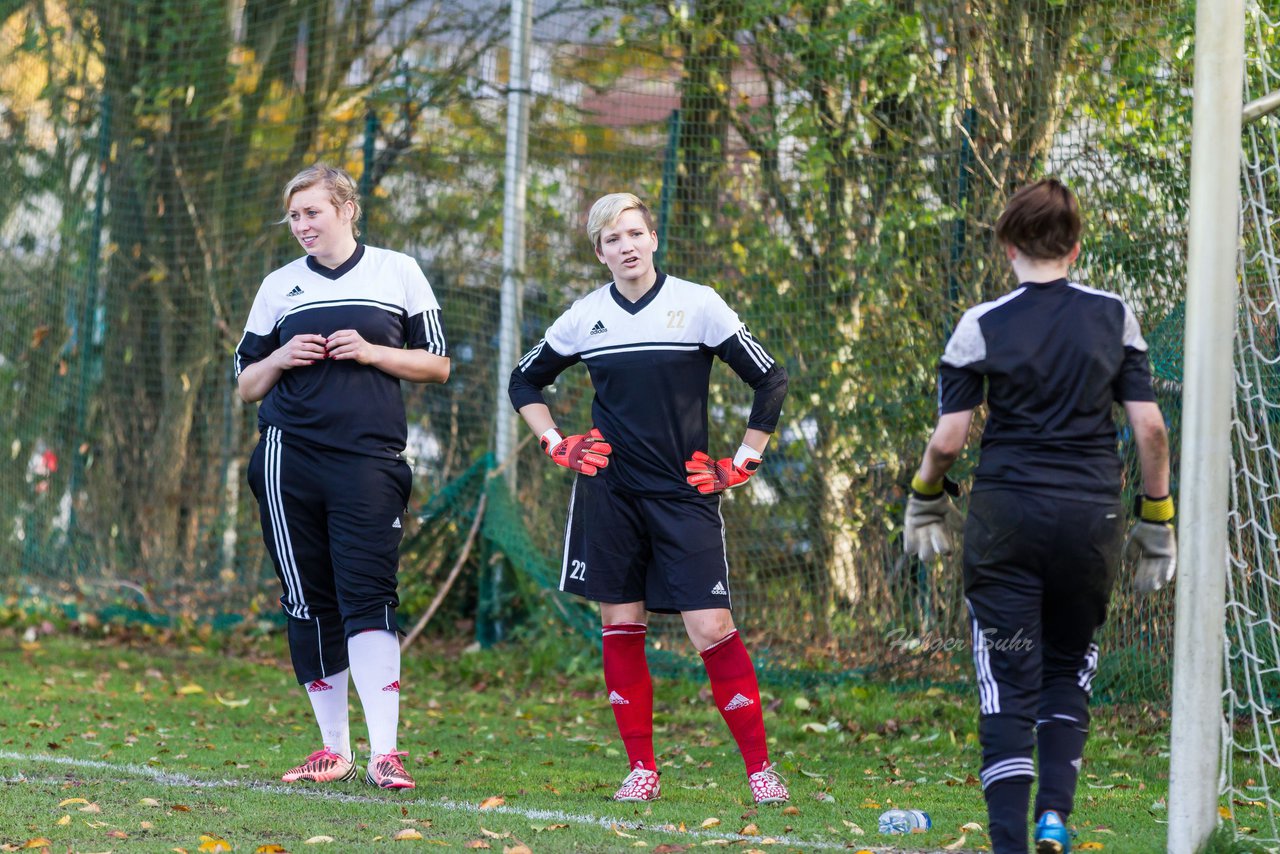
150 742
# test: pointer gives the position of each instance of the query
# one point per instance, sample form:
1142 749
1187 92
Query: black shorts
666 552
1038 573
332 522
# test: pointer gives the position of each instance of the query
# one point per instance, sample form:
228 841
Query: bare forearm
936 463
415 366
1153 457
945 445
757 440
256 380
538 417
1147 423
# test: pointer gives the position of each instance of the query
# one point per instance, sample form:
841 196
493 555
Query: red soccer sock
626 678
737 694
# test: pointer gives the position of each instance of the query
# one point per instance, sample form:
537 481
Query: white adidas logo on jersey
719 590
598 328
396 523
617 699
738 702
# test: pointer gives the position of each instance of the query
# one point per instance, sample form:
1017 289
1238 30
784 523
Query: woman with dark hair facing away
1044 534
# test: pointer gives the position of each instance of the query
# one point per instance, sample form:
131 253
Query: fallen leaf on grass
209 842
69 801
825 797
232 703
1091 846
541 827
709 842
190 688
406 834
490 803
318 840
62 822
38 842
668 848
477 843
791 810
955 846
92 809
618 830
518 848
148 802
492 835
710 822
270 848
180 808
119 834
749 830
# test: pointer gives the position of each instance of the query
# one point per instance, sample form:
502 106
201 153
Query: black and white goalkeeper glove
1152 545
932 523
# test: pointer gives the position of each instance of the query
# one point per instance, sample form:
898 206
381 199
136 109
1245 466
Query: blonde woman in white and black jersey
329 340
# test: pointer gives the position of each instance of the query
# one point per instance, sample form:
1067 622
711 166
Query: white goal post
1208 389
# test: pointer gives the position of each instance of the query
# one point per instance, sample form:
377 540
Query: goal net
1251 750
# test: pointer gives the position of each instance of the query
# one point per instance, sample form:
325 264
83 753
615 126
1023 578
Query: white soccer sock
328 698
375 667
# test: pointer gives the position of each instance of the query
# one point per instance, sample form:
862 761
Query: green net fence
833 169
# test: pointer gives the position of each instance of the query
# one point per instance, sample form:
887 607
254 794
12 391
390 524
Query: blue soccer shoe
1052 836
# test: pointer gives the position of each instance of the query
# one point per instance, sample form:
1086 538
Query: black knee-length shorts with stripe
332 522
1038 573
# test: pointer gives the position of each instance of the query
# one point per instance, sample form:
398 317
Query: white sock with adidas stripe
375 668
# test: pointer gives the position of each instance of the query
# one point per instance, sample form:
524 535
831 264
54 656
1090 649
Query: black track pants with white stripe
332 522
1038 573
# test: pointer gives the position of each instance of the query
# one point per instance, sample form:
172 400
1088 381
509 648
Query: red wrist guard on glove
710 476
585 454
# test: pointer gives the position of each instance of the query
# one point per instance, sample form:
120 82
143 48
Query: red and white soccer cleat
768 787
640 785
386 771
323 766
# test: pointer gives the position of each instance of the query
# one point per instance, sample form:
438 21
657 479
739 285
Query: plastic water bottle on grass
904 821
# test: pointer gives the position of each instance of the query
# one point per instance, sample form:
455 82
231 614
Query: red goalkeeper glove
710 476
584 454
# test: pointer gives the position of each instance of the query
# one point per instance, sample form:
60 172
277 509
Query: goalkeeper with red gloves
1044 535
645 532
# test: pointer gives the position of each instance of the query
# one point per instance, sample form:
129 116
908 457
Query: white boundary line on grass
169 778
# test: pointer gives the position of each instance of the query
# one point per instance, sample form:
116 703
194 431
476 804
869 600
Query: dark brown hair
1042 220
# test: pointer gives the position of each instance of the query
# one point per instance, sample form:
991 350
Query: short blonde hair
607 209
341 187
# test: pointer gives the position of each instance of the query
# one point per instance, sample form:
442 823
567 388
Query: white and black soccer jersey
650 363
1054 356
342 404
